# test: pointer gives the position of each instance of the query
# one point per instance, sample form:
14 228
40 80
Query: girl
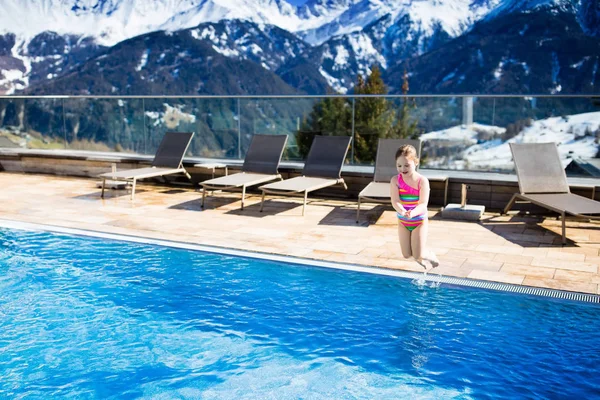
410 195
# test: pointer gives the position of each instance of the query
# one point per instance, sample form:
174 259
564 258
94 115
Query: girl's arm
395 196
424 191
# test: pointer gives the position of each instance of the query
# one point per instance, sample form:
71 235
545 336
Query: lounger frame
543 182
168 160
322 169
261 165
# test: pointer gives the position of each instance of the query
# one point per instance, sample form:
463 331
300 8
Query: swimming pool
88 317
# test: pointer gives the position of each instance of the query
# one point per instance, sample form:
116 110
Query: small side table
212 167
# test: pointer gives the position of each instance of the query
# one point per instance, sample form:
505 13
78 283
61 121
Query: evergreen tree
404 126
329 117
373 117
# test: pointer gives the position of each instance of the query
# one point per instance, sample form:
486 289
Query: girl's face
405 166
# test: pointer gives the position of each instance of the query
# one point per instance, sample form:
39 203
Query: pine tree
404 127
373 117
330 117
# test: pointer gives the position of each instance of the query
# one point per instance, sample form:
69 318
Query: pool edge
450 280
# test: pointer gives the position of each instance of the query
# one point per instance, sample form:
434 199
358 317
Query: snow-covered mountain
212 59
112 21
334 39
452 16
41 58
527 6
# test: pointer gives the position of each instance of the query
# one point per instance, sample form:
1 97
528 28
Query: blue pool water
91 318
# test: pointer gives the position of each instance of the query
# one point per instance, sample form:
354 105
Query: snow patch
341 57
226 52
363 48
578 65
462 133
143 60
333 82
255 49
172 117
498 70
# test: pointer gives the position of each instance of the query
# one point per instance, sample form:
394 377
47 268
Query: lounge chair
543 182
260 166
167 161
378 191
322 168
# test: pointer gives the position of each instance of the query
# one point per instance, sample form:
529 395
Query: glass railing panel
571 122
101 124
426 118
32 123
373 119
458 132
276 116
327 116
213 120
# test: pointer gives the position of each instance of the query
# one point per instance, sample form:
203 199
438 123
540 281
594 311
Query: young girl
410 195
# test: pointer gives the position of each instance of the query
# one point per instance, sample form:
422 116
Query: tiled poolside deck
511 249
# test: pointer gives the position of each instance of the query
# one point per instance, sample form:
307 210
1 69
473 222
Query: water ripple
93 318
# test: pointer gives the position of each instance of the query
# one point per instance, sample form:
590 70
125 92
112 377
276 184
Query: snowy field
574 134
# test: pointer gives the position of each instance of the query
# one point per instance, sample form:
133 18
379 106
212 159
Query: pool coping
449 280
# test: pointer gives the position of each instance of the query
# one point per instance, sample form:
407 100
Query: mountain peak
112 21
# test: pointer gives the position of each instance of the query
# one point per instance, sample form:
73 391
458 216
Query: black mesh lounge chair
167 161
260 166
322 168
378 191
543 182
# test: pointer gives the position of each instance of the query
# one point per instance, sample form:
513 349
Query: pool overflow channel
420 279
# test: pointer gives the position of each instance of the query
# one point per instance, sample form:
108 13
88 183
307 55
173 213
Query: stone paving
514 249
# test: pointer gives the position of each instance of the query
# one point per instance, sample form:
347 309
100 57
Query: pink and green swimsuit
409 198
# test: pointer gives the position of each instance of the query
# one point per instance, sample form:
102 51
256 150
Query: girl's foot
421 263
434 260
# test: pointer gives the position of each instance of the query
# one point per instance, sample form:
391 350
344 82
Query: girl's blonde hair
409 152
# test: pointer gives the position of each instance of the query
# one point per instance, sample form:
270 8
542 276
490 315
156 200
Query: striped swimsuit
409 198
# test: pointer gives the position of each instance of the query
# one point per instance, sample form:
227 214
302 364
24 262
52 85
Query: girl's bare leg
419 242
404 238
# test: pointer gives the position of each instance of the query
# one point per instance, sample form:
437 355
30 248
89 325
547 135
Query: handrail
290 96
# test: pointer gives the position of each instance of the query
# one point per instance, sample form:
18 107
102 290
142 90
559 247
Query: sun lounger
322 168
378 191
167 161
260 166
543 182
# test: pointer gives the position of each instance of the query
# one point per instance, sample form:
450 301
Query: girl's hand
407 213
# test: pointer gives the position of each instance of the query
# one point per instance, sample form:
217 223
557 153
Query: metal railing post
144 123
352 141
239 115
64 122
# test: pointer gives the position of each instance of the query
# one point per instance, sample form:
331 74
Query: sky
296 2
